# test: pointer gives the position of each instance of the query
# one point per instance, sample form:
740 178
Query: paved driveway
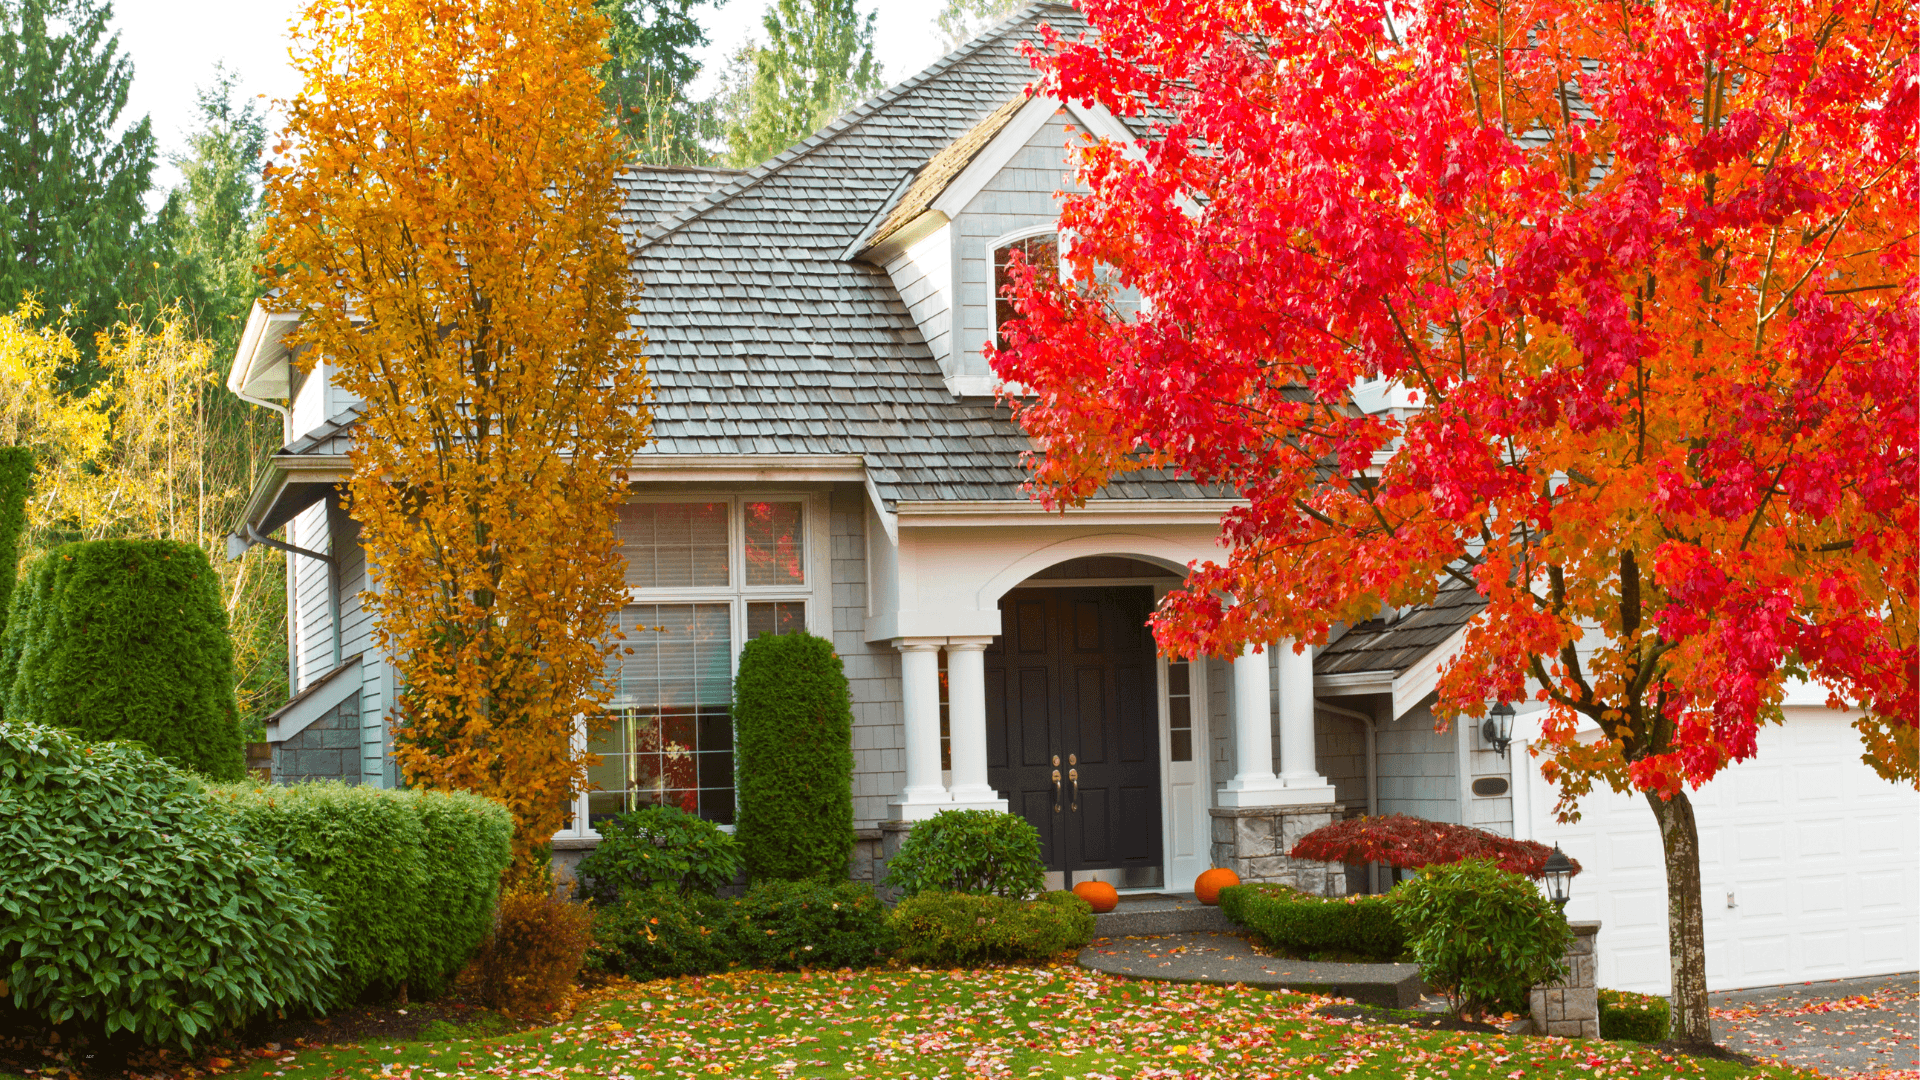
1849 1027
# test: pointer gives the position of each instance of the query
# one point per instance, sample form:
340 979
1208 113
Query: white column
1254 784
967 724
924 794
1297 768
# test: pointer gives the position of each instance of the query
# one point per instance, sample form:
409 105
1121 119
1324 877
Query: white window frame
993 249
816 592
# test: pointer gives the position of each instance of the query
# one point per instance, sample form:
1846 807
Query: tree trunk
1686 923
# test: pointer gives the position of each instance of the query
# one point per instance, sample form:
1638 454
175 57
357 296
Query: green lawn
1011 1022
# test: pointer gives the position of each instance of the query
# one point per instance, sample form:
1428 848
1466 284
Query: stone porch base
1253 842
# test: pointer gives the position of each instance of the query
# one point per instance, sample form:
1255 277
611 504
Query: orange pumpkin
1100 895
1206 887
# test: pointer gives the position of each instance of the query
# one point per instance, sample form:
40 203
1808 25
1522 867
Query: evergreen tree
817 62
71 217
963 20
209 224
646 75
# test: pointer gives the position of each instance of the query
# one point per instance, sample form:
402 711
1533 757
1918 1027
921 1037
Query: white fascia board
1414 685
261 361
1348 683
747 468
994 156
1099 512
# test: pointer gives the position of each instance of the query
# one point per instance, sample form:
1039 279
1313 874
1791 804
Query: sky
174 45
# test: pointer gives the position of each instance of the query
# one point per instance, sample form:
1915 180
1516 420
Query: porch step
1159 913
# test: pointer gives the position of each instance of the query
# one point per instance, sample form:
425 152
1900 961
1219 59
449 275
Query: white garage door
1810 865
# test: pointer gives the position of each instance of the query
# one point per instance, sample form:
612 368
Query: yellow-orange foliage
445 223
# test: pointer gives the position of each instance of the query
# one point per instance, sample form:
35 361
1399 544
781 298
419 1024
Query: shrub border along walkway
1229 959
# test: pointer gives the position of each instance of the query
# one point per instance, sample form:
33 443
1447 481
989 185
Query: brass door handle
1073 777
1056 791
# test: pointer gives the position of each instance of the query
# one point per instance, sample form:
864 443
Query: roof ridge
844 122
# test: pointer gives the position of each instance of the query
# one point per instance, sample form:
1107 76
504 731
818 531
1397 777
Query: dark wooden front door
1070 687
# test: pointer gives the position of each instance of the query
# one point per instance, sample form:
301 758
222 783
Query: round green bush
786 925
946 929
793 759
127 639
658 846
131 905
969 851
658 934
409 877
1482 936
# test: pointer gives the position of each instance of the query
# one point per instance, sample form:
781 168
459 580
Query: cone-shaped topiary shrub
127 639
130 906
793 758
16 479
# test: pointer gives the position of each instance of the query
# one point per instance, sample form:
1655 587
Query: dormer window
1040 249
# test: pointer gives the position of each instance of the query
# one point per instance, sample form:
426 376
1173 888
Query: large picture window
702 577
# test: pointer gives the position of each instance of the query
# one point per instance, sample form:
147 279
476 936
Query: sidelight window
1179 711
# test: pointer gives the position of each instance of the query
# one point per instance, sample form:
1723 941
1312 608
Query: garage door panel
1764 957
1757 845
1878 889
1819 895
1825 952
1885 944
1820 840
1757 788
1822 856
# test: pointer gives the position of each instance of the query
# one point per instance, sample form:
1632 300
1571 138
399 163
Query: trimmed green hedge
16 481
1482 936
409 877
780 925
1298 923
127 639
1638 1017
957 929
653 847
129 904
793 759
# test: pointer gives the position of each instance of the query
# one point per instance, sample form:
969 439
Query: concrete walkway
1214 957
1849 1027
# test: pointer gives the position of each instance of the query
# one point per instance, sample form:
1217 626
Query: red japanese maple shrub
1410 843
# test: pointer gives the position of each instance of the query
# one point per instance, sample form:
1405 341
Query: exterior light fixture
1497 728
1559 875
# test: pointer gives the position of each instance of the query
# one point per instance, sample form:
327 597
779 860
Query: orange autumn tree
446 226
1607 311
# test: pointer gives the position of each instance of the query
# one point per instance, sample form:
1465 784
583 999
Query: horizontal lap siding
1020 196
873 670
1416 769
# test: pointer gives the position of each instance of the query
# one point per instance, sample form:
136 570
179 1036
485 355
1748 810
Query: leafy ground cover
1014 1022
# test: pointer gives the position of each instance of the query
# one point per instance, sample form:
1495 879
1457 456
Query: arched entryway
1090 734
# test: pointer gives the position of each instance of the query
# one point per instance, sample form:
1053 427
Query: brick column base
1253 842
1571 1007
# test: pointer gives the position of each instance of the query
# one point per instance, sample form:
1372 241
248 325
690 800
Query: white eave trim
1016 134
260 363
1417 683
315 702
1098 511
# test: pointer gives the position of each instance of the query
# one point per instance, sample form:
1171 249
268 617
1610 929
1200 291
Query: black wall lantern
1497 728
1559 875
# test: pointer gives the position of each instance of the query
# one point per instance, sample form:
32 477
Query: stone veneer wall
327 749
1571 1007
1253 842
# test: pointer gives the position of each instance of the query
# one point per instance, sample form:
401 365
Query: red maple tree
1607 310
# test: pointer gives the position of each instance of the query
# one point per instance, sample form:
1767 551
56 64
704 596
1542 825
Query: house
815 328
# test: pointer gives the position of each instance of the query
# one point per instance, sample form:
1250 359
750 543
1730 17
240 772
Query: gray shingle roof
1378 645
763 340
